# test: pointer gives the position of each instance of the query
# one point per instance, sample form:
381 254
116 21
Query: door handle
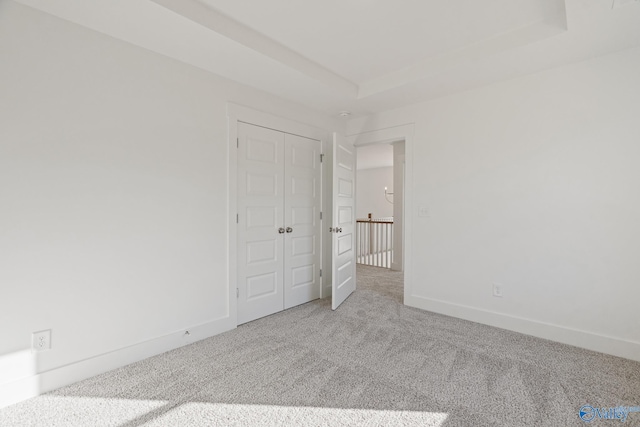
289 229
335 230
338 230
281 230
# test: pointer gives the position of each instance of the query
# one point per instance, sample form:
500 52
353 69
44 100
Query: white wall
370 185
533 184
113 193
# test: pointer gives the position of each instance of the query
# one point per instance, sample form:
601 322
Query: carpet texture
371 362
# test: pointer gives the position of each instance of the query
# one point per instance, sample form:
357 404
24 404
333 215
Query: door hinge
237 218
321 157
320 215
237 142
320 272
237 292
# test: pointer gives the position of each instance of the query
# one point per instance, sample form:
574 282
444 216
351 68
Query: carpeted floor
372 362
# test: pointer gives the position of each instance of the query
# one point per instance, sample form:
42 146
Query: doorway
380 205
380 214
401 139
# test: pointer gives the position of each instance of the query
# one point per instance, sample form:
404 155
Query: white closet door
260 216
302 204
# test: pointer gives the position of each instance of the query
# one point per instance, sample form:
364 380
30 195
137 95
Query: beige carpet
372 362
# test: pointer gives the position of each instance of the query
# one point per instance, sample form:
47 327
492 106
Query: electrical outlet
41 341
497 290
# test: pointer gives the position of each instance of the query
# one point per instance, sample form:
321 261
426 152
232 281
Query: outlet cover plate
497 290
41 341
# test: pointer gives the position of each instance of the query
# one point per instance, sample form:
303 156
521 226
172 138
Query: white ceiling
364 56
365 39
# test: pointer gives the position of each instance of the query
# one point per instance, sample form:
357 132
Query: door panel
303 245
302 276
344 244
262 285
301 216
343 255
260 215
262 251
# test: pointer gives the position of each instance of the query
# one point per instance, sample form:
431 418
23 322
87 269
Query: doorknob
281 230
338 230
289 229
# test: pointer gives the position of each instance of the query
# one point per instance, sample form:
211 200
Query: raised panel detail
303 157
345 158
302 216
262 185
264 284
344 274
345 215
303 245
303 275
345 243
302 186
259 216
260 150
345 188
261 251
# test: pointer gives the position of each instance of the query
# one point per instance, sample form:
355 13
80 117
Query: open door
343 260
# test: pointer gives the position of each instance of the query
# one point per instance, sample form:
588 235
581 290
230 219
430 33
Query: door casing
238 113
385 136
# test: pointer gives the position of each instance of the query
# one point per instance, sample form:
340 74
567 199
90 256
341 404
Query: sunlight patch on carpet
202 413
81 411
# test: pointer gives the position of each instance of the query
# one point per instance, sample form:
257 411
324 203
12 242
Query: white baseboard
34 385
583 339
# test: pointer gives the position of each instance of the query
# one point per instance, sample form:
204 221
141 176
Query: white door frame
239 113
386 136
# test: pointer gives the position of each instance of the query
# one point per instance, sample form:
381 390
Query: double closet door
279 202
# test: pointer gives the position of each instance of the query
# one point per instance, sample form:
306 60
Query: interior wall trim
588 340
42 382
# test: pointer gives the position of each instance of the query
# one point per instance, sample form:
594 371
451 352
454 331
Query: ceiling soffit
550 22
548 34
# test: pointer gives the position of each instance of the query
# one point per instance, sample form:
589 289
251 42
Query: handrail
378 221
